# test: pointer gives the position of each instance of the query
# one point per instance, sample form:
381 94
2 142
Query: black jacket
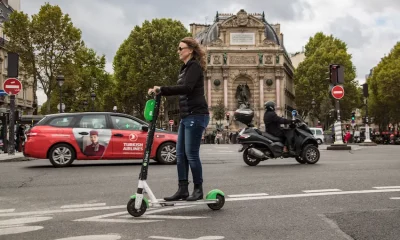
192 100
272 123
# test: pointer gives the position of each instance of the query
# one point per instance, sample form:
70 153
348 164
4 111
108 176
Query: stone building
24 99
245 50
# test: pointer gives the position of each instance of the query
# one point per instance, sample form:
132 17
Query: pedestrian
194 117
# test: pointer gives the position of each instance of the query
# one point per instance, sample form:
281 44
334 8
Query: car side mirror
145 128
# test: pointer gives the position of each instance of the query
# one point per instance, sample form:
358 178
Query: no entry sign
12 86
338 92
171 122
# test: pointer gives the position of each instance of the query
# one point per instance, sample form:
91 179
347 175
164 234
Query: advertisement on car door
92 142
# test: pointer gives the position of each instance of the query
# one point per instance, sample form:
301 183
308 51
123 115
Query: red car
65 137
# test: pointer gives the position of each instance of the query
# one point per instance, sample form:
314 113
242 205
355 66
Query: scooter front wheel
250 160
136 212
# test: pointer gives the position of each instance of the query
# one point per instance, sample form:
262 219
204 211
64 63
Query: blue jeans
190 132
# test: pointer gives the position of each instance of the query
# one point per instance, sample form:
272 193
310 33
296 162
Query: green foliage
147 58
219 110
384 89
85 74
46 44
311 79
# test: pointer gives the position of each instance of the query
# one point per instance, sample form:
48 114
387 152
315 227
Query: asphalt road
346 195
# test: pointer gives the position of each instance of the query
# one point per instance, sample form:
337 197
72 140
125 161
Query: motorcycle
259 146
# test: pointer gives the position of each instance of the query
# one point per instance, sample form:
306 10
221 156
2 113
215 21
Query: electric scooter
138 203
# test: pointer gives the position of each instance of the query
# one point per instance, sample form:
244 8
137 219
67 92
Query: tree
219 111
311 78
148 57
84 75
46 44
384 89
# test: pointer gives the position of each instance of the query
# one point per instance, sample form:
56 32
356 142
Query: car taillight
32 133
244 136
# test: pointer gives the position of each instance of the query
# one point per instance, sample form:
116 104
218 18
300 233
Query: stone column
278 95
225 77
209 91
261 109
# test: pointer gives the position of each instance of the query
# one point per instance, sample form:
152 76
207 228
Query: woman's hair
198 52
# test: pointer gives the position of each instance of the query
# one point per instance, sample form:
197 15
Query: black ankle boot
197 193
182 193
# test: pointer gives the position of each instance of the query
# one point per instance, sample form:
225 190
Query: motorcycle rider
272 126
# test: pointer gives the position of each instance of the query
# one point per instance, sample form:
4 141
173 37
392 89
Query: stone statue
243 95
225 58
260 58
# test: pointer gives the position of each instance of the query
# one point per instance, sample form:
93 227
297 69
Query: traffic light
336 74
365 90
353 117
17 116
227 116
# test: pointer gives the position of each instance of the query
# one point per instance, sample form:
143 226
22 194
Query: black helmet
269 106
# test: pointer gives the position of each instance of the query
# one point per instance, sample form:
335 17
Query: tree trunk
48 103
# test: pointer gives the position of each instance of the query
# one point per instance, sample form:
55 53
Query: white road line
84 205
395 198
7 210
172 217
322 190
312 194
48 212
388 187
247 195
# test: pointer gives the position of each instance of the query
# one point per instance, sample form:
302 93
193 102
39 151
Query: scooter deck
183 202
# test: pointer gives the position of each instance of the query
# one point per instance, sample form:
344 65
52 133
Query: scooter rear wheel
219 204
249 160
135 212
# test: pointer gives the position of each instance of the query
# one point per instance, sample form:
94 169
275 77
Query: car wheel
166 153
319 141
61 155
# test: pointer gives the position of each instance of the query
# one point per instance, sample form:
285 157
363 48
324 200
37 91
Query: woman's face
184 52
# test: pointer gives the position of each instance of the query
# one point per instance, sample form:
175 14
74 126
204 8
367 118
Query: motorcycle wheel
250 160
311 154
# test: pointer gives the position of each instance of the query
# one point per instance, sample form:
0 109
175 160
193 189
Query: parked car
65 137
318 134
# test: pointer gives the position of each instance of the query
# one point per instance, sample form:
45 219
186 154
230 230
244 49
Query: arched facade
245 49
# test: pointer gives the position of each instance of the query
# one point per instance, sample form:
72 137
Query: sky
369 27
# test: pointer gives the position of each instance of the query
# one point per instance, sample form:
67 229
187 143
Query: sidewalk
4 157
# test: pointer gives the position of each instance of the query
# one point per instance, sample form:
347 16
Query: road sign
12 86
294 113
3 93
338 92
62 105
171 122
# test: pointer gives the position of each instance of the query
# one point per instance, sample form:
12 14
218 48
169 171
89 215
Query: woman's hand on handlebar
155 89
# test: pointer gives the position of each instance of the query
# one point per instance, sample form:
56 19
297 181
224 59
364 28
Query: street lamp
60 80
115 108
85 103
93 96
313 103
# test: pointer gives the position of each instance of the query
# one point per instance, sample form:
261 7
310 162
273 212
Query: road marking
7 210
17 225
247 195
67 210
200 238
155 218
388 187
312 194
395 198
93 237
322 190
84 205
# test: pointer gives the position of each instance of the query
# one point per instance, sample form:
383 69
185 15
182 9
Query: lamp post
60 80
313 103
115 108
85 103
93 96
